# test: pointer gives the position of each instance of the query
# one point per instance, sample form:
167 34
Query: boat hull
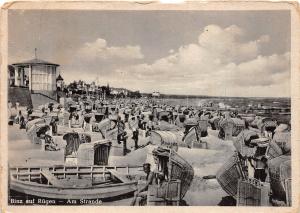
95 192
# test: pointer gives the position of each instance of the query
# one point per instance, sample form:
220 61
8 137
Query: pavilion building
36 76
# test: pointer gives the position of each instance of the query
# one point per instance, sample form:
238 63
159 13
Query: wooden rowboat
71 182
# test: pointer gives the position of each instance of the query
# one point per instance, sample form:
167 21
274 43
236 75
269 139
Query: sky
217 53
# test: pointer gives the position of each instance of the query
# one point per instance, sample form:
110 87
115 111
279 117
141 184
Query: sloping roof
166 137
59 78
35 61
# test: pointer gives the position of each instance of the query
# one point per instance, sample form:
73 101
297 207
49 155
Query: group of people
256 143
139 116
15 115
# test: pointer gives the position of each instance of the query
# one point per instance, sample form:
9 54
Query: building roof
35 61
59 78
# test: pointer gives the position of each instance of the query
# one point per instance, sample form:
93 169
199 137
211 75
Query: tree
135 94
107 92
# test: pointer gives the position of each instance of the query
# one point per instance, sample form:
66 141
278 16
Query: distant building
155 94
222 105
59 83
118 91
205 103
114 92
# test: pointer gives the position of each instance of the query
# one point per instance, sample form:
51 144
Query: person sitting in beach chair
53 124
22 122
29 111
17 118
259 164
49 144
141 194
50 107
75 121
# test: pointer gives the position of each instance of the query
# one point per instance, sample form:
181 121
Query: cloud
222 62
227 44
100 50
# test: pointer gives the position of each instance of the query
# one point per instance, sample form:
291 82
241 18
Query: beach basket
214 122
181 118
167 194
164 138
191 137
101 109
227 125
99 117
267 124
94 153
283 140
262 145
273 150
279 172
252 192
163 115
65 119
104 125
177 168
229 174
288 191
241 147
248 118
203 125
72 142
239 126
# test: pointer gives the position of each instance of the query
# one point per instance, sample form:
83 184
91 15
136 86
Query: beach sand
204 161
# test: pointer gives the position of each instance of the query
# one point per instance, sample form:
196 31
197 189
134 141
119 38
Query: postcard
107 106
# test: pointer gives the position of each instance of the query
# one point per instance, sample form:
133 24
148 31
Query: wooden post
30 77
103 174
22 76
179 193
17 76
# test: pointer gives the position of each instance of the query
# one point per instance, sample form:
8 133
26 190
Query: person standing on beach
135 137
122 135
133 124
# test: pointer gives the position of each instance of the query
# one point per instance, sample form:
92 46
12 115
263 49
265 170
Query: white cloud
227 43
100 50
221 63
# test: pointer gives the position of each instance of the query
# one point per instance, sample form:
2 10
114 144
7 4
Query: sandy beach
204 161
